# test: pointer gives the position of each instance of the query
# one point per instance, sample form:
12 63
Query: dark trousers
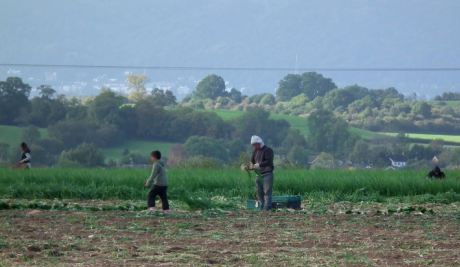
160 191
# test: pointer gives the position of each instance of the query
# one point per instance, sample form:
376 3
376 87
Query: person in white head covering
262 163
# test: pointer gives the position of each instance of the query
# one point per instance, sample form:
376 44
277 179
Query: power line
228 68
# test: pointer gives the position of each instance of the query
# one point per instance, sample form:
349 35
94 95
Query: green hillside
12 135
429 137
300 124
296 122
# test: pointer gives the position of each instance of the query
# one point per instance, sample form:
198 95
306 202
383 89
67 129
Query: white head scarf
257 140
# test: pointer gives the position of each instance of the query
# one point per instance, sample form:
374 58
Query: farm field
231 238
96 217
189 183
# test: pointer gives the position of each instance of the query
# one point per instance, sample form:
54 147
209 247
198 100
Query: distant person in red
26 157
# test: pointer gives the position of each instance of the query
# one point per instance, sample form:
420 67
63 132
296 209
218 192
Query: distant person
436 173
158 183
26 157
262 163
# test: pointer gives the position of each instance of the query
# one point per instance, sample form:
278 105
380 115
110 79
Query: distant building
398 162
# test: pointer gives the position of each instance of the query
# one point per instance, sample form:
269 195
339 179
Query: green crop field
127 183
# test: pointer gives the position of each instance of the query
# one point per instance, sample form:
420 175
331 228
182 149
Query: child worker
158 183
26 157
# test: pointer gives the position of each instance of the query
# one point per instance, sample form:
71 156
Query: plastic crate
289 202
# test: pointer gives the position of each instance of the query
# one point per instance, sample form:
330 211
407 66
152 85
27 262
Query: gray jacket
158 175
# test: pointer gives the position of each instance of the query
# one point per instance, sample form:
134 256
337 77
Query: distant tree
328 133
46 91
268 99
75 109
448 96
14 102
315 84
46 109
186 122
128 120
105 108
235 95
298 156
257 121
53 146
310 83
153 122
31 135
136 87
163 98
4 148
344 97
72 133
422 108
360 153
212 86
289 86
85 155
207 147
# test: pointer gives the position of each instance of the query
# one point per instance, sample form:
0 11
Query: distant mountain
363 34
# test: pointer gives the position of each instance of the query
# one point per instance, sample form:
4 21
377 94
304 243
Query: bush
206 147
85 155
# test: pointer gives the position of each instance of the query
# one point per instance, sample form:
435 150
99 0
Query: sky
293 34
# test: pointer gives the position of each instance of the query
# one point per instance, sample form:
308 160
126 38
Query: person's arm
267 159
153 176
27 158
253 158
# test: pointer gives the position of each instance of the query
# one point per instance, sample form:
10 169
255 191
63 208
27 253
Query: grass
137 146
196 185
12 135
429 137
300 124
296 122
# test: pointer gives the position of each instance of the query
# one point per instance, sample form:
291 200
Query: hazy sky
236 33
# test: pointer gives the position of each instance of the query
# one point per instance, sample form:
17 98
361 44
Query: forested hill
239 33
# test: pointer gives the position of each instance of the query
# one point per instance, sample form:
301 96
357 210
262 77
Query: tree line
77 127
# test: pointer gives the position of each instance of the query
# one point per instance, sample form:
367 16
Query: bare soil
239 238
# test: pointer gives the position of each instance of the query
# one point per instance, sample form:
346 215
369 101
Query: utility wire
227 68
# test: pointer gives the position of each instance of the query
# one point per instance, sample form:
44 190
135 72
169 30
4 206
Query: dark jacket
264 157
436 173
